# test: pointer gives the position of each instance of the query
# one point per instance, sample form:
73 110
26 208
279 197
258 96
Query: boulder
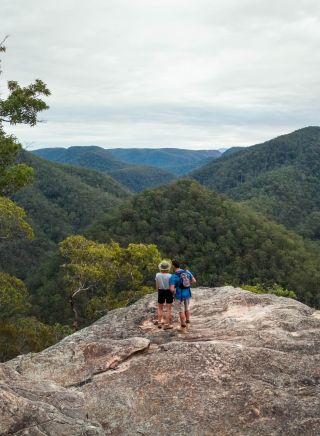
248 365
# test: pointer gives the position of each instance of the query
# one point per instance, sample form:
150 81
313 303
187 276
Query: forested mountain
232 150
135 177
279 178
175 160
62 200
221 241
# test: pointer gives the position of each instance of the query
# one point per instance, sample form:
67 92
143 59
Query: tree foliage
221 241
61 200
23 103
13 297
12 222
274 289
279 178
135 177
105 274
13 175
20 332
27 334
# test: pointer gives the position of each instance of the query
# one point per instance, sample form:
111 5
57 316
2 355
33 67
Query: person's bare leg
160 312
187 315
168 314
183 319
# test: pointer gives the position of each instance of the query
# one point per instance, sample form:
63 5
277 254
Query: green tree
13 296
274 289
106 274
22 105
12 223
13 175
19 332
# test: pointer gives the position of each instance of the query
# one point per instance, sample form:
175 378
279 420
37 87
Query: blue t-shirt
181 294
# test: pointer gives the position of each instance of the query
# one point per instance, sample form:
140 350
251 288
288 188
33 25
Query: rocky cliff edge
248 365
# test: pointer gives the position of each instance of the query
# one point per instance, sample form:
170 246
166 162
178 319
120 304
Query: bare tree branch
80 290
4 40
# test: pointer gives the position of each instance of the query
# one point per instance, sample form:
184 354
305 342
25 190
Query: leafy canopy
21 106
20 332
222 242
23 103
12 223
13 175
105 273
13 296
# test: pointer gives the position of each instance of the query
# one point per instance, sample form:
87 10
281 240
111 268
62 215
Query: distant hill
279 178
221 241
232 150
175 160
61 201
135 177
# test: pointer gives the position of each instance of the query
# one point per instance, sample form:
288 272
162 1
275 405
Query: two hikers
170 286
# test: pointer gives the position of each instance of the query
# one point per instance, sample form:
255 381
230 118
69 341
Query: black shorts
165 296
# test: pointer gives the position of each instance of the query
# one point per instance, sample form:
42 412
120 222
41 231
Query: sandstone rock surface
248 365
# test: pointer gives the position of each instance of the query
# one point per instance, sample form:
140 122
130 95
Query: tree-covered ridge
222 242
61 201
78 193
134 177
97 157
279 178
232 150
175 160
139 178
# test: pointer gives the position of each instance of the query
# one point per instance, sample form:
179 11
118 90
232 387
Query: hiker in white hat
165 296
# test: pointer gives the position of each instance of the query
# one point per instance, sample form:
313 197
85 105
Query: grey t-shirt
162 280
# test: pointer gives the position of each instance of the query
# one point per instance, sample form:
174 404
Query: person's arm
157 285
192 279
172 285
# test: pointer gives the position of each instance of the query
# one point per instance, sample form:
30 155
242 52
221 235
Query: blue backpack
184 284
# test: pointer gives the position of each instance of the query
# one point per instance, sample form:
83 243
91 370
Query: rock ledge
249 365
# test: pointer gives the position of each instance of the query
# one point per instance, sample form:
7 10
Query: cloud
180 73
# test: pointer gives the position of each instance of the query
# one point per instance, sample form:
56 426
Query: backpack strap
178 274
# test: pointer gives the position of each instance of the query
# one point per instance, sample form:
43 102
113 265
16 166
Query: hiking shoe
167 327
188 323
182 328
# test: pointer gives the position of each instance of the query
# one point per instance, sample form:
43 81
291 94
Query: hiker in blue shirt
180 283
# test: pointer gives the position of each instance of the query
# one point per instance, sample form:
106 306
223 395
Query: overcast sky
165 73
